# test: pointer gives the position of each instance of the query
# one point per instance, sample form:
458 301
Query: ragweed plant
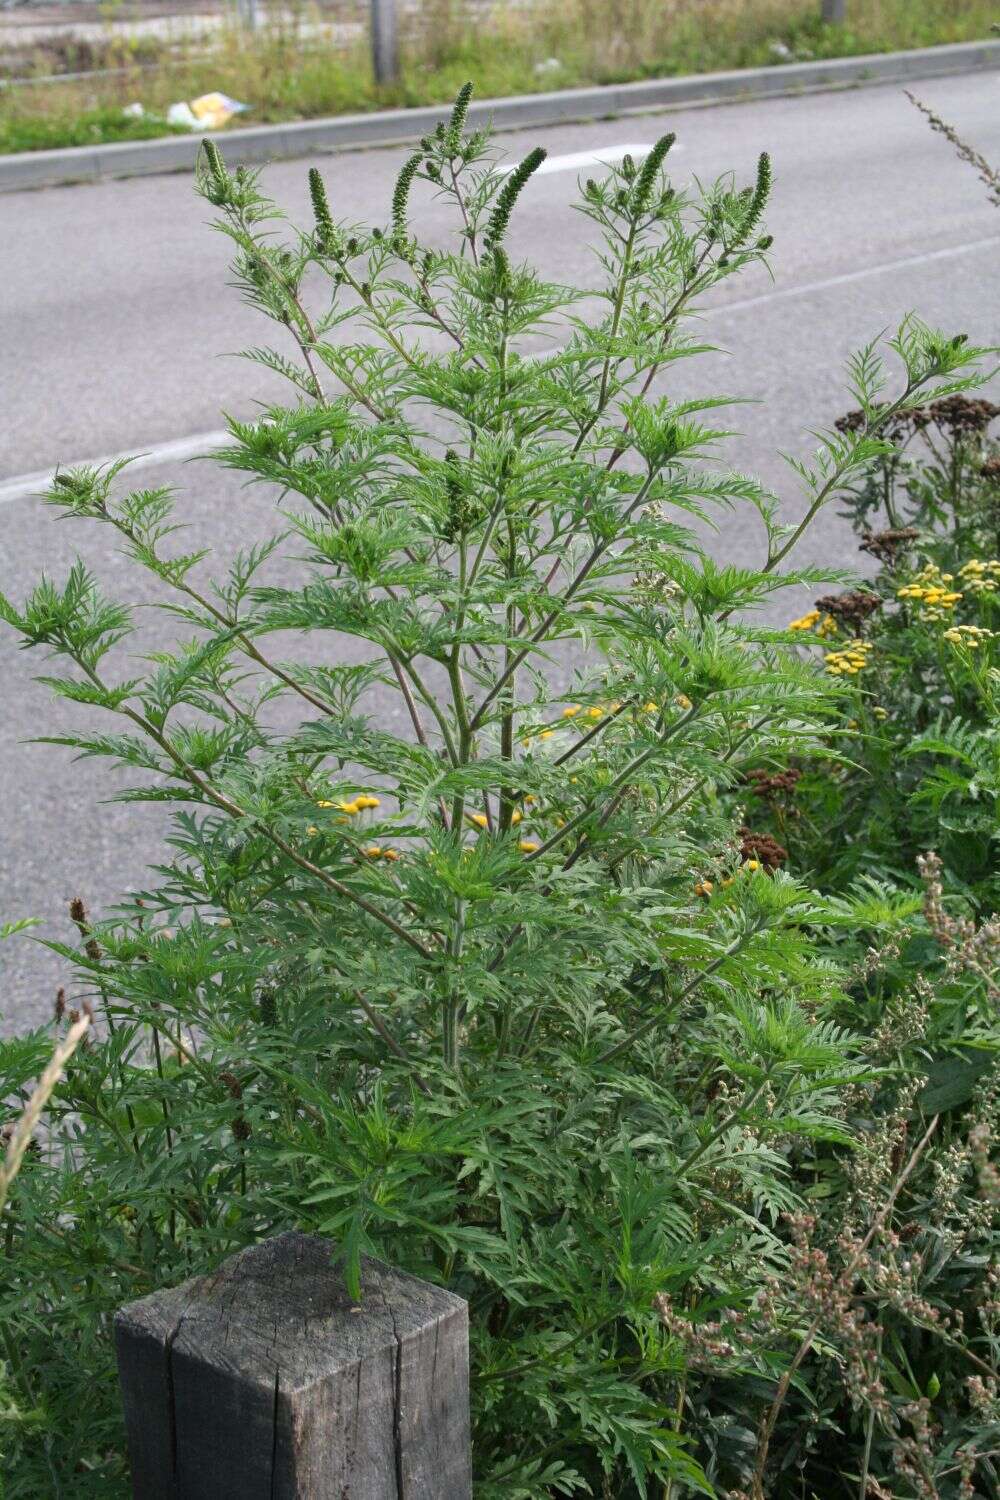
503 997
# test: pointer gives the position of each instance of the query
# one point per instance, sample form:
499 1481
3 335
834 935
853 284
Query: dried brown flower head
232 1084
773 786
762 847
852 609
899 426
886 545
963 414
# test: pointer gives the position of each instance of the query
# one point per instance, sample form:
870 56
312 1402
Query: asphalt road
114 314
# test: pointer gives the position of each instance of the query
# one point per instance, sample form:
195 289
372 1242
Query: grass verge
543 44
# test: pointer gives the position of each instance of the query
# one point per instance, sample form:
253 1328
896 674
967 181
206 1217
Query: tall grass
284 71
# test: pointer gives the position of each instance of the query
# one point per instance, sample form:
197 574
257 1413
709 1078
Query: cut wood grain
266 1381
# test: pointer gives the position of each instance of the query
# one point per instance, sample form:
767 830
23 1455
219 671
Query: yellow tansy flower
970 636
849 661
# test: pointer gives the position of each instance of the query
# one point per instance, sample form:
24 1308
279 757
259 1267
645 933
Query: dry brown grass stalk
24 1129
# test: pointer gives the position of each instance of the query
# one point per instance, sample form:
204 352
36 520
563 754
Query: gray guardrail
261 143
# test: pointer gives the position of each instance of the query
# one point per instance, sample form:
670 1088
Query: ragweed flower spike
400 199
508 196
758 202
456 124
216 181
643 190
326 232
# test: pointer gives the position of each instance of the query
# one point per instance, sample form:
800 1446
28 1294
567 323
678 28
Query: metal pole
385 41
248 14
835 12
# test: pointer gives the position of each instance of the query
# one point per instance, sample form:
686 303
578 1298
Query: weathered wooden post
267 1381
835 11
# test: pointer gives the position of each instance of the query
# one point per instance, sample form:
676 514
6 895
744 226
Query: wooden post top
284 1303
267 1381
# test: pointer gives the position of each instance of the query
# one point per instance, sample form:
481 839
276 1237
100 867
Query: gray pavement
116 320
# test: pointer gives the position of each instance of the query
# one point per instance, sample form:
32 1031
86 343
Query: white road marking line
607 157
162 453
25 485
849 276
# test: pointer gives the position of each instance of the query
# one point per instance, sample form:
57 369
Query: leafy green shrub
920 768
506 999
906 802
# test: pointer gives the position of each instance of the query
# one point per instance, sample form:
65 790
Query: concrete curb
262 143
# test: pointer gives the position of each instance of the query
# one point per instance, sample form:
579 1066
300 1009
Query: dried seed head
232 1083
850 609
761 849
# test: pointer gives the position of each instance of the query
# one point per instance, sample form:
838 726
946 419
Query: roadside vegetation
654 1011
283 72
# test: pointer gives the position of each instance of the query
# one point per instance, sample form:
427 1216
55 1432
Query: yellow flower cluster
850 661
359 804
375 851
595 712
482 821
970 636
980 577
930 592
706 887
823 625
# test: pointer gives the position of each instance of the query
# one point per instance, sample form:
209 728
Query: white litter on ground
207 112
